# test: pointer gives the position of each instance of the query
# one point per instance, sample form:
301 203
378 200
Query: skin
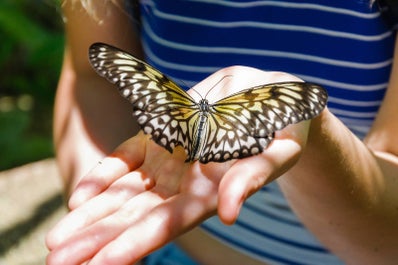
343 189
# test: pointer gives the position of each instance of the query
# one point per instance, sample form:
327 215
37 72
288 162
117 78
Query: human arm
320 187
352 205
90 118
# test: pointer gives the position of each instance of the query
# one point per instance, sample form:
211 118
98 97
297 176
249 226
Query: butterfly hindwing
225 141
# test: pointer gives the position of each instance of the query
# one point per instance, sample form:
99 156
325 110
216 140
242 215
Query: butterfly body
199 131
237 126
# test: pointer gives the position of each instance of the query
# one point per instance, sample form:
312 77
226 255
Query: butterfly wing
237 126
243 124
161 107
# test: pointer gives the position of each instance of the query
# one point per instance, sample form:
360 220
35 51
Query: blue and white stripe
341 44
269 231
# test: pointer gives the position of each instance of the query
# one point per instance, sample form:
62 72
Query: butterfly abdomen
199 131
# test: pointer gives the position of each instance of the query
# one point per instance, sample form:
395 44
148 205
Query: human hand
141 197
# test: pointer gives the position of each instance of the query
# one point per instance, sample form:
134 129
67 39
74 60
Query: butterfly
237 126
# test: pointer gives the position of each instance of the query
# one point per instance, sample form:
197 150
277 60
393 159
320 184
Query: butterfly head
204 105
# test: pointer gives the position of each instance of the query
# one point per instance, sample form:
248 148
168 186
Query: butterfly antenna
189 87
197 92
222 79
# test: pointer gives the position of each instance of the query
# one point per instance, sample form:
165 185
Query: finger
125 158
241 77
248 175
82 245
98 207
66 234
164 168
160 226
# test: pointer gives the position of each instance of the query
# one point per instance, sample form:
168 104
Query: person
324 191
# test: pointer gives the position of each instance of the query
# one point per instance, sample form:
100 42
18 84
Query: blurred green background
31 46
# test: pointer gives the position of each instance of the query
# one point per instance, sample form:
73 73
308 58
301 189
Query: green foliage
30 58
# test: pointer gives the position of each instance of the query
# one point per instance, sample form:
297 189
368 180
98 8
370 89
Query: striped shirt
341 44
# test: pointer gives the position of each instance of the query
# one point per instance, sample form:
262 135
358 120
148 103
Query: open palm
141 197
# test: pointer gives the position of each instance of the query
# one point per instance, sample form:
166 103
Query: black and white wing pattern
243 124
237 126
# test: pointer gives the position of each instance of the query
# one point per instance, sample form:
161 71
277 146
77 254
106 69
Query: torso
340 44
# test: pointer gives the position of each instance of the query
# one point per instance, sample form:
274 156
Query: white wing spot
231 135
148 130
174 123
126 92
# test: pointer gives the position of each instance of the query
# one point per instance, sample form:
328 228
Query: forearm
90 120
90 117
345 194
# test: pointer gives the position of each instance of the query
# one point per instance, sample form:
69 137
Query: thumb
249 175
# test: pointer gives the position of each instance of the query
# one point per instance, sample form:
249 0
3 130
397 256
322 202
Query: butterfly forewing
243 123
161 107
237 126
